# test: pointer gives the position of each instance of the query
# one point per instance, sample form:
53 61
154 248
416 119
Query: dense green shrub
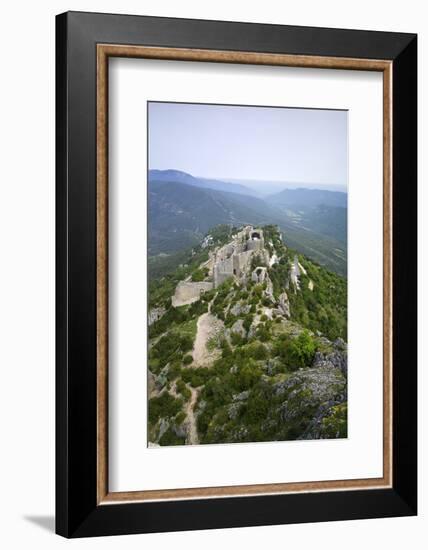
230 320
172 346
202 422
247 375
259 351
197 308
336 423
199 275
183 389
180 418
302 349
264 333
186 343
208 296
187 359
226 350
236 339
257 291
196 377
154 365
296 352
217 392
256 408
172 316
171 438
248 321
163 406
174 370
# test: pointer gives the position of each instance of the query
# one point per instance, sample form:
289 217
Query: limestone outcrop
155 314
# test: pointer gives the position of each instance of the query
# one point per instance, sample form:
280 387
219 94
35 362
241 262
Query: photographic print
206 232
247 274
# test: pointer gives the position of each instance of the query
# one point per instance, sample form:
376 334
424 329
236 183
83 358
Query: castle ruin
187 292
259 275
231 260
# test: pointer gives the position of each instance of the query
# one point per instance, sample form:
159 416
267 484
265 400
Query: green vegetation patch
170 438
164 406
335 424
295 352
171 348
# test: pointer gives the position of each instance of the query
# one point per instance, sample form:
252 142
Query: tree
187 359
301 350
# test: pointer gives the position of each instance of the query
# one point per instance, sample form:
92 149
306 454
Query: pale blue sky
307 146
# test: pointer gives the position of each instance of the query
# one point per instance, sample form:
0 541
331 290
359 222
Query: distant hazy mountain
264 188
321 211
308 197
182 209
180 214
205 183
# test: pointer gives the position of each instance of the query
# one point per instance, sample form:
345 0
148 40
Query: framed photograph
236 274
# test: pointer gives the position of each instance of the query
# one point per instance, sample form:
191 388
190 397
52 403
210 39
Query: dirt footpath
208 326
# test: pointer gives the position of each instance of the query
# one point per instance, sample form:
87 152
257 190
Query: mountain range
182 208
205 183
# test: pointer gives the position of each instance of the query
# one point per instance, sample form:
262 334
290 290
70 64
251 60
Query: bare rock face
238 328
284 304
269 289
308 389
241 396
253 328
277 312
336 359
180 430
330 421
155 314
340 344
234 410
240 434
265 256
240 309
161 379
151 382
163 427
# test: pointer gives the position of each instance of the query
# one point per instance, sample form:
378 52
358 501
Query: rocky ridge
272 362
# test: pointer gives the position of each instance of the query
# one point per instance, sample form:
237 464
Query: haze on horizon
281 147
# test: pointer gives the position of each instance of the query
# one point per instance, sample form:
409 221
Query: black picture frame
77 511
